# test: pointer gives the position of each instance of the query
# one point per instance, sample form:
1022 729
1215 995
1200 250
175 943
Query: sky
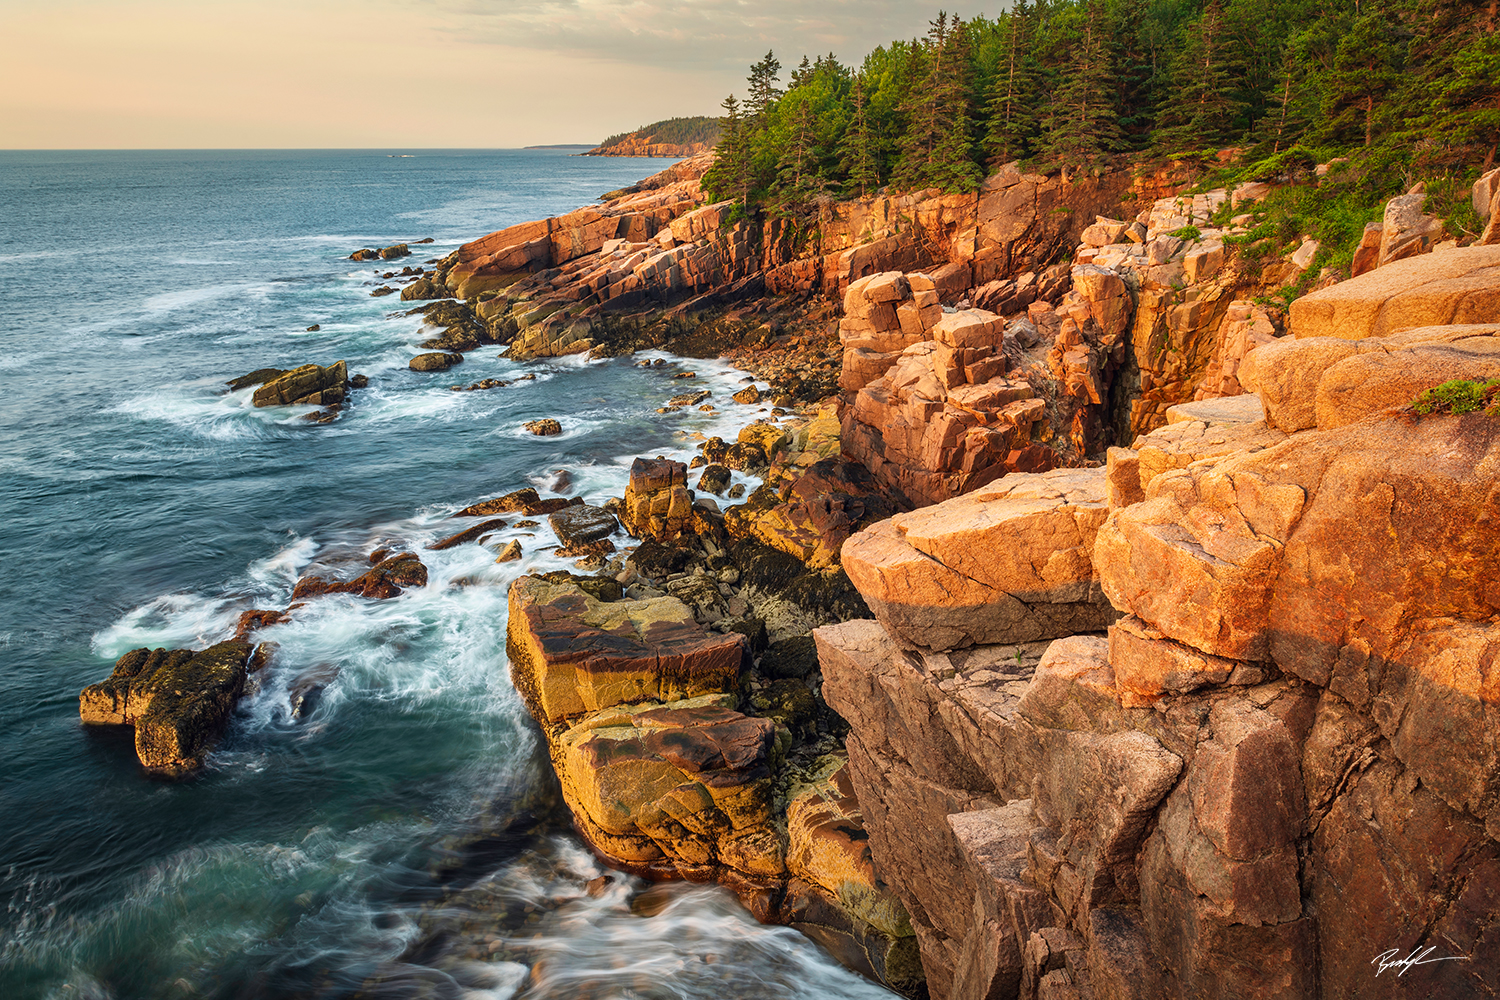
239 74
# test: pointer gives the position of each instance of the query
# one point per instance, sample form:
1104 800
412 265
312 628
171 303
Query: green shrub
1459 396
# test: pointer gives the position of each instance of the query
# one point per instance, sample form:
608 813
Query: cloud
688 35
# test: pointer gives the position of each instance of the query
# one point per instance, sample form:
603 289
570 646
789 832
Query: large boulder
1007 564
686 784
435 361
658 503
1454 286
1288 375
581 524
571 653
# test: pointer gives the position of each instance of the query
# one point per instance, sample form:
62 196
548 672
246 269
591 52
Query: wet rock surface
387 578
178 701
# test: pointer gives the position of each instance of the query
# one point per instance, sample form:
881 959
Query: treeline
673 131
1074 82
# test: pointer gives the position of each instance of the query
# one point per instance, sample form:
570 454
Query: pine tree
1291 101
802 75
730 173
1453 108
763 91
857 150
1203 104
1081 123
1012 107
935 144
797 173
1367 69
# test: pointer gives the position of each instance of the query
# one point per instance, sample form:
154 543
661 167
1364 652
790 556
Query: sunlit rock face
1279 765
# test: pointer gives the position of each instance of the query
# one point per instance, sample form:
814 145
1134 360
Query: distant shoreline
566 145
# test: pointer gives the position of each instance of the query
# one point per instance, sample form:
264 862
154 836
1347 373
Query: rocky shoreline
982 701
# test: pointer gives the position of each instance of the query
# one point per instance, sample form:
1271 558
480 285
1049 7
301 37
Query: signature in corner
1391 960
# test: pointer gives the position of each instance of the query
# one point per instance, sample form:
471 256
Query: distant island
564 145
671 137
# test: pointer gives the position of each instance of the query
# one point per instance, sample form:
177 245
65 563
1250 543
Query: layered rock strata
1274 770
552 285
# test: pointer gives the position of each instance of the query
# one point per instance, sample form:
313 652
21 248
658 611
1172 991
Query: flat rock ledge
1282 762
666 777
935 578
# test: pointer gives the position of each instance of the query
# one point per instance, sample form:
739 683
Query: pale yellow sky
395 73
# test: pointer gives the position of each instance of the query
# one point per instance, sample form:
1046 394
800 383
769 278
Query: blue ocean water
146 506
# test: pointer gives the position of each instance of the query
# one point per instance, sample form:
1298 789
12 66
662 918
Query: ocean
320 852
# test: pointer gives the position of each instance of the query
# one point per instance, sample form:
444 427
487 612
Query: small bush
1459 396
1187 233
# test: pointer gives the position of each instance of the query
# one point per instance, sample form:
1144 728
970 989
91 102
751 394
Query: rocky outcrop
930 409
392 252
178 701
434 361
572 653
665 776
554 285
808 514
1329 381
1274 770
390 575
932 578
1456 286
309 385
523 501
657 504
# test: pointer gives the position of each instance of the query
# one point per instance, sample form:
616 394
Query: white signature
1418 956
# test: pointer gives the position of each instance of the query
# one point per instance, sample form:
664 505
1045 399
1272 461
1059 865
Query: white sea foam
219 417
173 621
167 301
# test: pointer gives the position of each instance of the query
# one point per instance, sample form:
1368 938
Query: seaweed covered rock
179 701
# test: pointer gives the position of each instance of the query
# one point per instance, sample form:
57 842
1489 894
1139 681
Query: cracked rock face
1279 765
931 577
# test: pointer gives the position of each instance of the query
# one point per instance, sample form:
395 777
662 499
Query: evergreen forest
1396 86
674 131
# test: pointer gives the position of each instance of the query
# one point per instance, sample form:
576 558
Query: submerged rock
474 534
386 579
